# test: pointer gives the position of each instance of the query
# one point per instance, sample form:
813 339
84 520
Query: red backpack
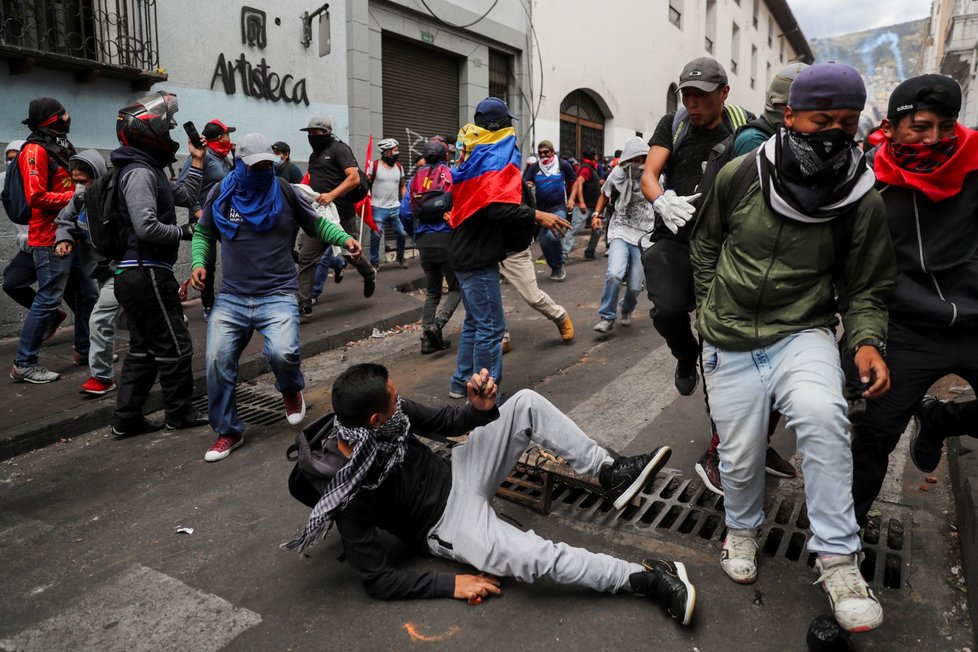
431 192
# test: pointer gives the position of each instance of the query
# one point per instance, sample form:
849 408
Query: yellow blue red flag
486 171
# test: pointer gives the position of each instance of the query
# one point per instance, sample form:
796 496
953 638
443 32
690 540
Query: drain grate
684 507
254 407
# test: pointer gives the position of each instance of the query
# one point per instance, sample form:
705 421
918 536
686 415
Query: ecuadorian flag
487 171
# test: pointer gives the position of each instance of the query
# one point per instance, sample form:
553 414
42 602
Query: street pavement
94 557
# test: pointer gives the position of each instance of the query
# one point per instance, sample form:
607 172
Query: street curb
963 463
49 430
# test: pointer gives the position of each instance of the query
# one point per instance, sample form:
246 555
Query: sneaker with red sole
708 468
97 387
56 322
223 447
295 408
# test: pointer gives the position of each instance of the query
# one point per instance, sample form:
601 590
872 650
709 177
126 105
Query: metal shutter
421 95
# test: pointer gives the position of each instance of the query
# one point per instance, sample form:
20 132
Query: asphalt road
93 559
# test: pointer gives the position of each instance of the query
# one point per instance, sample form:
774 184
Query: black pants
158 343
434 262
19 275
917 359
669 281
311 250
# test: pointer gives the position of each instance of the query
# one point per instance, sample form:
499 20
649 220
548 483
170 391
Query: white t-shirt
387 183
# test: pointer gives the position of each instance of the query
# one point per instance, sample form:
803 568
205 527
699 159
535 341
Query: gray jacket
74 230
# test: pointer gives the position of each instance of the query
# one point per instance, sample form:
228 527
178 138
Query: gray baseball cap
319 122
704 73
255 148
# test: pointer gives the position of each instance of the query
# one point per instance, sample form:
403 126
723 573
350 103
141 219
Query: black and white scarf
787 191
382 448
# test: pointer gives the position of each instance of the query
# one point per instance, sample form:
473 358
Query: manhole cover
254 407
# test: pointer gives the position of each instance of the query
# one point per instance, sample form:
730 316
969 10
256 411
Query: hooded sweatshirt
72 224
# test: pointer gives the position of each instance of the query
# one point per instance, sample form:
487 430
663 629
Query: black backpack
317 460
723 152
13 197
108 231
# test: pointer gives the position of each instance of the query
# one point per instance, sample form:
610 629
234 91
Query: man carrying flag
489 219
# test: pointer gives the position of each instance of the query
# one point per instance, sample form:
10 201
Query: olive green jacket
764 276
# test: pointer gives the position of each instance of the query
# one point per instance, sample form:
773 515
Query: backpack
13 197
734 117
842 226
375 165
723 152
317 460
108 232
430 192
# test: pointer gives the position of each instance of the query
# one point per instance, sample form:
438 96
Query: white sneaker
739 557
35 374
604 326
853 603
626 319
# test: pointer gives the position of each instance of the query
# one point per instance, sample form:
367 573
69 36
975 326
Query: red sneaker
56 322
295 408
223 447
97 386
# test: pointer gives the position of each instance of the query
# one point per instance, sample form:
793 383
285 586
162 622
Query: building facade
951 48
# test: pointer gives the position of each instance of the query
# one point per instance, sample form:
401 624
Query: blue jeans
52 277
233 320
480 345
381 217
623 258
551 245
578 219
800 377
326 263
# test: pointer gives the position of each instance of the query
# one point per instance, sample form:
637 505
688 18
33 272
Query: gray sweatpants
471 533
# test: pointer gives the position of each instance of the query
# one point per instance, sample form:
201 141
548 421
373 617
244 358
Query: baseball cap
215 128
492 109
827 86
777 92
281 146
911 96
254 148
704 73
319 122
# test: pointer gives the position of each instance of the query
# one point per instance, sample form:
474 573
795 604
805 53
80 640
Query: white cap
255 148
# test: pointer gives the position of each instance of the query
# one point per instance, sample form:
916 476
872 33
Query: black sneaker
121 431
777 466
427 343
708 468
667 583
926 446
305 308
198 419
338 275
369 285
626 476
686 377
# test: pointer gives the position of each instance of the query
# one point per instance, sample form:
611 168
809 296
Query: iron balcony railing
114 33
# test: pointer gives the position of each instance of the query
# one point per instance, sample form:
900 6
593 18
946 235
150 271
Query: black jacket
408 504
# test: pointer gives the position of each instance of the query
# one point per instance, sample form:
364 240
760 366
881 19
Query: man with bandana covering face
763 270
927 172
43 162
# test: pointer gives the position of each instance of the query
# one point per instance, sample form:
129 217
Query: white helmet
387 144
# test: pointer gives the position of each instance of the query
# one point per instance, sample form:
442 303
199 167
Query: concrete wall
628 64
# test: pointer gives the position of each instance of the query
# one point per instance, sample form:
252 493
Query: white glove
674 210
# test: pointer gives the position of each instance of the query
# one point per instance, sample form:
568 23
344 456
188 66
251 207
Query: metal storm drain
254 407
674 506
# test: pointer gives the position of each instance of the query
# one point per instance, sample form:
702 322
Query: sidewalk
37 415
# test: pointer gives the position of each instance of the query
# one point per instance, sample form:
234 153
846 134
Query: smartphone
192 134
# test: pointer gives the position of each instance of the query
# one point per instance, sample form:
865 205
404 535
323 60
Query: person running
387 183
254 217
764 254
43 163
159 342
632 218
581 201
927 173
388 479
549 178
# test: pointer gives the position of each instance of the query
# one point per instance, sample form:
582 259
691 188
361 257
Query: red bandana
221 149
938 183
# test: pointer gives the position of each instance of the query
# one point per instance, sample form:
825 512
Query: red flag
364 207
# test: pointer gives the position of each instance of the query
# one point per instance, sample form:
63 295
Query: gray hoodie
71 229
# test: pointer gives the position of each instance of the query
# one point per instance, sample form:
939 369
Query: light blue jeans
101 325
232 322
801 377
480 345
578 219
623 259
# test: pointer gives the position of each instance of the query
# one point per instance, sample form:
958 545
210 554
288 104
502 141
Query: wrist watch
873 342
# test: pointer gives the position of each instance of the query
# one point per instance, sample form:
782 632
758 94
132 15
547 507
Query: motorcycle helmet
146 123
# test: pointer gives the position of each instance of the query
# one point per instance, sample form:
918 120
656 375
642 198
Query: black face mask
392 158
320 142
827 144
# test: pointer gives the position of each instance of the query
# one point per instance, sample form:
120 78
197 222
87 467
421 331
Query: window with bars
500 73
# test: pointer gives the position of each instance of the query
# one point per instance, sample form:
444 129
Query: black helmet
146 124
